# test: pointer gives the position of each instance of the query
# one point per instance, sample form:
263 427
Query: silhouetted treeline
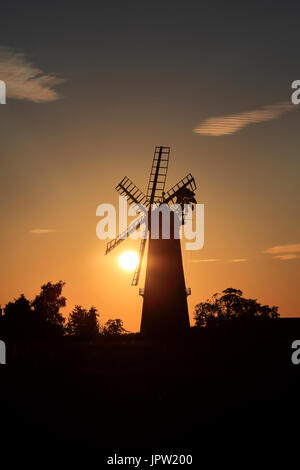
230 307
42 318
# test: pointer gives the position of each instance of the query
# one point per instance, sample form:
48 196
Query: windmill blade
122 236
186 182
133 194
137 271
158 174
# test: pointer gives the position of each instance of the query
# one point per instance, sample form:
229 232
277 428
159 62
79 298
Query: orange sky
86 106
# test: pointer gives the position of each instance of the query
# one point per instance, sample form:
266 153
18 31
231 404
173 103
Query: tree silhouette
18 320
113 328
47 306
231 305
83 323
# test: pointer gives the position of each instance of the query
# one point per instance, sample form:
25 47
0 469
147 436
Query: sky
93 87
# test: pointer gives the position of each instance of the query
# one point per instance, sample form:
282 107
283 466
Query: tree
18 319
18 308
83 323
47 307
231 305
113 328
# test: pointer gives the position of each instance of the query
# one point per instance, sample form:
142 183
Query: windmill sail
158 174
122 236
186 182
137 272
133 194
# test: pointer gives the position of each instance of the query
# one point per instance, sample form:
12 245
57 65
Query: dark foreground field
213 388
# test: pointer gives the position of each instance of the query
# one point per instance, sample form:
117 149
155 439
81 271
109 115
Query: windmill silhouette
165 307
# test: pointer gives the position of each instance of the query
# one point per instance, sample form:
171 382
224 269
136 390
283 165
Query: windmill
165 307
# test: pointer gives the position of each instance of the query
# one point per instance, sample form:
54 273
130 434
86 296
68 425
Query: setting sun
129 260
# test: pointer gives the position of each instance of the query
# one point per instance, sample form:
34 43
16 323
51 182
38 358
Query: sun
129 260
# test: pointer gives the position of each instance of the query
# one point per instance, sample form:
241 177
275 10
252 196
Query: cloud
292 248
239 260
213 260
286 257
284 252
41 231
25 81
225 125
210 260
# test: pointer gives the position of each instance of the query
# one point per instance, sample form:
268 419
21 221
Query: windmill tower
165 307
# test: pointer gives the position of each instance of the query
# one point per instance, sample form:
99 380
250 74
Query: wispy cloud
284 252
25 81
42 231
225 125
210 260
215 260
291 248
286 257
238 260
